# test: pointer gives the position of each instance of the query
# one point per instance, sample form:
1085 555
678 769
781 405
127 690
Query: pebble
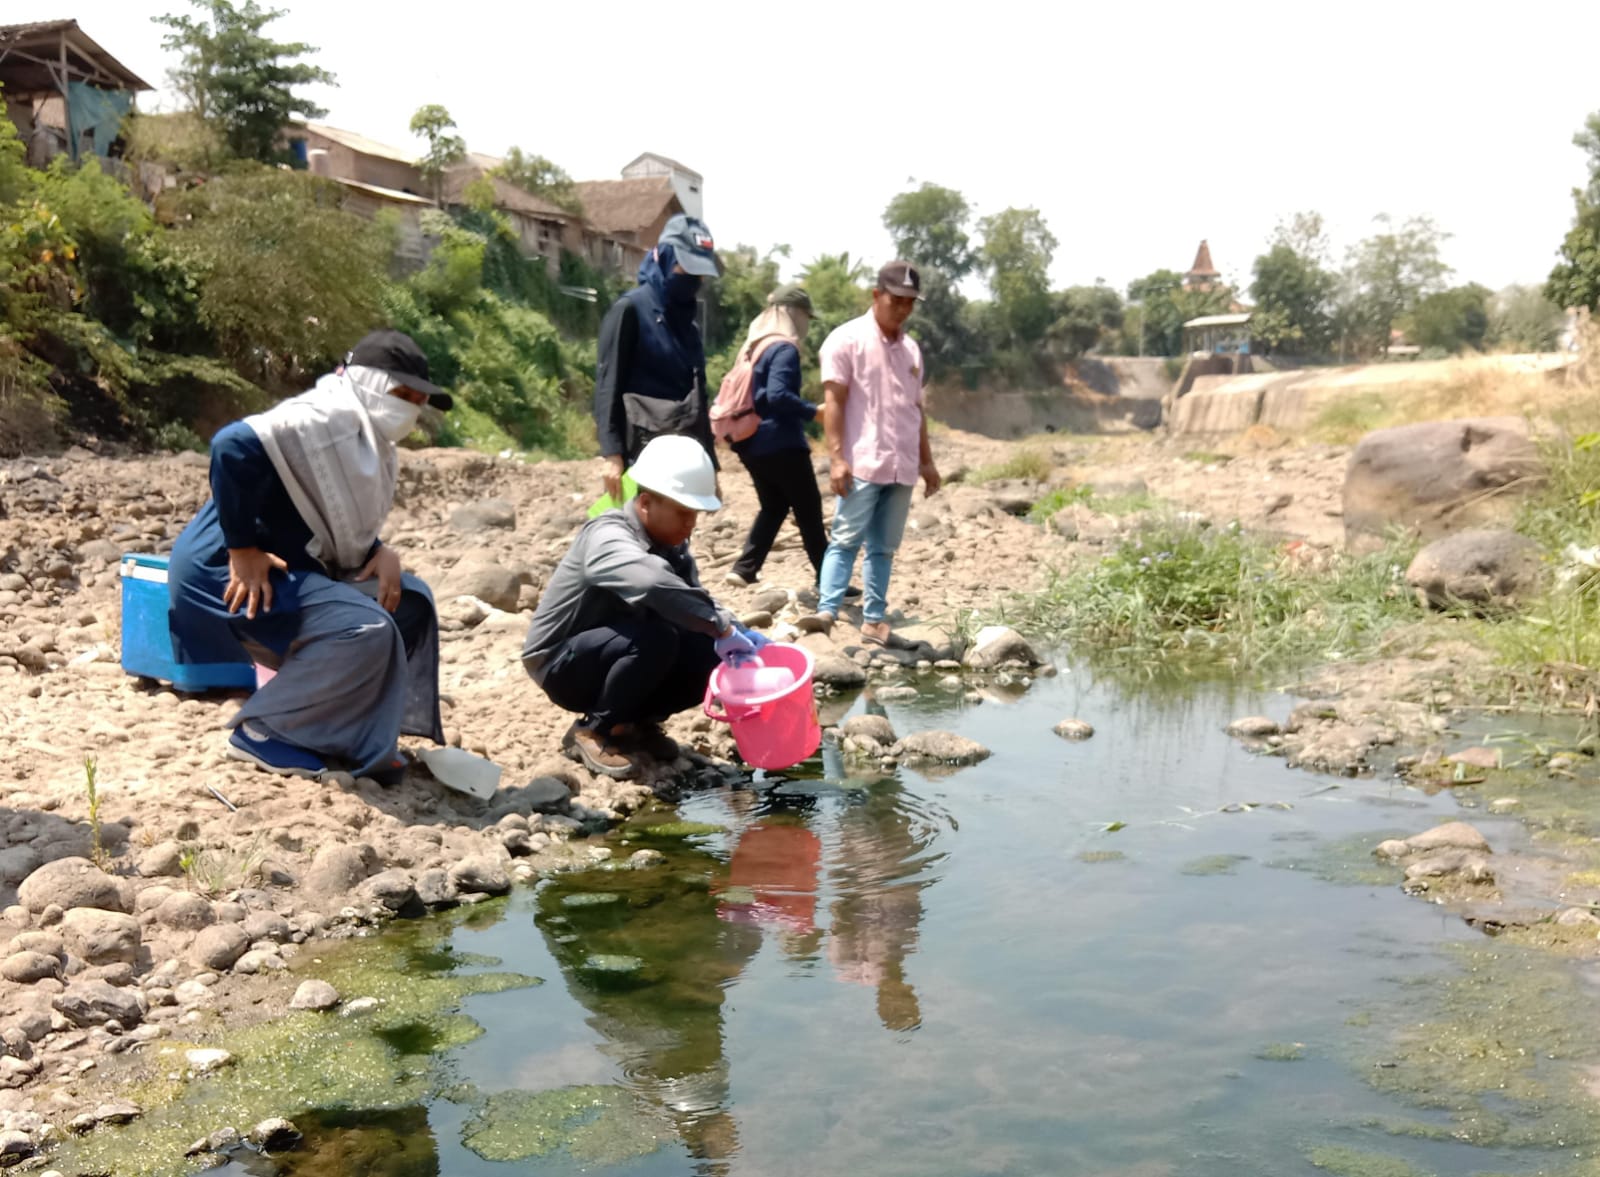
204 1060
1073 729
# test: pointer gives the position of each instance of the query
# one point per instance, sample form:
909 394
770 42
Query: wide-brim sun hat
678 468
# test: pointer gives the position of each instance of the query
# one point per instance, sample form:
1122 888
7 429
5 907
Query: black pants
636 671
784 482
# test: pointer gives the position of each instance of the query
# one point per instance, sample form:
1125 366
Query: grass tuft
1029 462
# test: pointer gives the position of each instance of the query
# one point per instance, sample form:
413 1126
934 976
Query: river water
1148 953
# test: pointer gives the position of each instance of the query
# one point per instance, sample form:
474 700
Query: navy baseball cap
692 245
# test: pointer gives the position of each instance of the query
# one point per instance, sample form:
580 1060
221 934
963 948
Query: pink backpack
733 415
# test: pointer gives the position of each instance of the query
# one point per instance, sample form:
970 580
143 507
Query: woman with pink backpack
776 453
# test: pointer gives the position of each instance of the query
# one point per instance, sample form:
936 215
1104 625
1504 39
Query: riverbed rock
1477 756
275 1135
163 860
336 871
117 1111
484 515
1482 568
435 889
1453 835
996 645
219 946
480 577
94 1003
1253 727
835 670
206 1059
876 728
1436 478
27 967
69 883
939 747
185 911
482 874
259 960
15 1146
1457 865
314 994
101 937
17 863
392 889
267 925
1073 729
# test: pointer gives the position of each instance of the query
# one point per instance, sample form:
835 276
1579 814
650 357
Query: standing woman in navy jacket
650 374
777 454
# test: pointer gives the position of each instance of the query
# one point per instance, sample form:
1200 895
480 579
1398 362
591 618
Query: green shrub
1182 597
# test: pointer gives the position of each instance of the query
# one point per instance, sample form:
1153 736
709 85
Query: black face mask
681 289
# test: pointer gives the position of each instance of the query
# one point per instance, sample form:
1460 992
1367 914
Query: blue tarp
90 108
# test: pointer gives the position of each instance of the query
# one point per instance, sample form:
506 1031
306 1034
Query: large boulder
101 937
940 748
219 946
1484 567
1436 478
68 883
337 870
93 1003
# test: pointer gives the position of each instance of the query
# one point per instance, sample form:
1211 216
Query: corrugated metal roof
1219 320
356 142
393 194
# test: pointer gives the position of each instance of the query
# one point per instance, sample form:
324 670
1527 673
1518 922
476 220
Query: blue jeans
874 514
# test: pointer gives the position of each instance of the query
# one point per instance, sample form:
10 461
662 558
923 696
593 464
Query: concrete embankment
1111 394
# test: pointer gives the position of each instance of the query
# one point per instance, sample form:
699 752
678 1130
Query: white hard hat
678 468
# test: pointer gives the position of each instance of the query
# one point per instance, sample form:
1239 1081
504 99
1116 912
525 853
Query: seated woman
284 566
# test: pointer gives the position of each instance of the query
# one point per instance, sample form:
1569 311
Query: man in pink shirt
877 446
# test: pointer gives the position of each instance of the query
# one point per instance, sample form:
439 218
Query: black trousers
637 671
784 482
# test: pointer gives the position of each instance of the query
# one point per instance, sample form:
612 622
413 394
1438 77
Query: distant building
65 94
630 211
1203 277
687 183
1220 335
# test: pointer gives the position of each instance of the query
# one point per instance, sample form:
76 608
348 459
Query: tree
1451 320
1017 250
739 293
539 177
1164 306
233 76
287 278
1084 316
837 286
929 227
1293 290
433 123
1575 281
1522 319
1389 273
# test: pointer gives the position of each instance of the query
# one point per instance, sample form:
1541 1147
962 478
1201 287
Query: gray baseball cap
692 245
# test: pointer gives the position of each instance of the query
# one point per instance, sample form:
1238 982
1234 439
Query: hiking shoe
815 623
740 579
273 755
599 754
649 739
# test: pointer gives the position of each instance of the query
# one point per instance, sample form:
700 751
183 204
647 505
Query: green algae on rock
590 899
301 1062
1505 1044
1347 862
592 1124
1352 1162
1095 857
1282 1052
1214 864
676 829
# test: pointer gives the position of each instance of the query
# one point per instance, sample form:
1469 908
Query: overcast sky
1136 129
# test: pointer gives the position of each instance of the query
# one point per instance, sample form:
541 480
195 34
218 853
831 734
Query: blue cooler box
147 639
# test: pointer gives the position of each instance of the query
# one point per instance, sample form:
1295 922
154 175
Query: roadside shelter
65 93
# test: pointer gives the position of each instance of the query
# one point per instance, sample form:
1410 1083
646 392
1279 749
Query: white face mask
393 417
390 416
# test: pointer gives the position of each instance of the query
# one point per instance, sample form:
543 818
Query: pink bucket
775 730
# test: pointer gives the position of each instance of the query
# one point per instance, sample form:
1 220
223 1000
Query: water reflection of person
664 1027
875 918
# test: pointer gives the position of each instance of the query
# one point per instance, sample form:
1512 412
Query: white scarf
334 449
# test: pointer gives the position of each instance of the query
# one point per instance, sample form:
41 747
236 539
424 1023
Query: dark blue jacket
650 347
775 387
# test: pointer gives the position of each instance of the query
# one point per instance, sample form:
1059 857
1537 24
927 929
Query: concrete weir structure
1291 401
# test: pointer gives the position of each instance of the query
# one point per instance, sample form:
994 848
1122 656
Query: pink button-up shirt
883 411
